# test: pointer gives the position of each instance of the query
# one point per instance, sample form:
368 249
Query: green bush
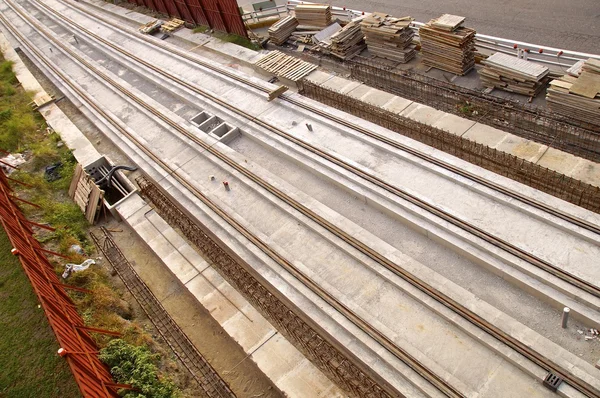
136 366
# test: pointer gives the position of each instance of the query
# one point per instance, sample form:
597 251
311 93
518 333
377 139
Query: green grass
29 364
239 40
200 29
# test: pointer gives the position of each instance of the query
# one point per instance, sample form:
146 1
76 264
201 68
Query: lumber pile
447 45
282 29
348 42
577 97
389 37
285 66
172 25
313 15
512 74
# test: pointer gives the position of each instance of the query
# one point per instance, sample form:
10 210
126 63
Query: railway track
379 182
205 375
285 97
442 385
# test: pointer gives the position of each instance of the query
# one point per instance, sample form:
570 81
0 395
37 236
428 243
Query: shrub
136 366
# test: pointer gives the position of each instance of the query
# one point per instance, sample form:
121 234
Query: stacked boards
577 97
349 41
389 37
512 74
447 45
281 30
313 15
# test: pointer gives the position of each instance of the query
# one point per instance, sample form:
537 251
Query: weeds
201 29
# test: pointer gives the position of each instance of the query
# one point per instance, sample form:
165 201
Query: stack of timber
447 45
285 66
577 97
389 37
282 29
349 41
172 25
84 191
313 15
510 73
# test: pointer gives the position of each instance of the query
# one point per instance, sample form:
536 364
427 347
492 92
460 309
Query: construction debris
324 37
577 97
349 41
172 25
389 37
282 29
313 15
512 74
285 66
150 27
447 45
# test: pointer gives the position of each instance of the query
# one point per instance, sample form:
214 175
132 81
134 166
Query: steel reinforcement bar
523 171
207 377
313 343
534 123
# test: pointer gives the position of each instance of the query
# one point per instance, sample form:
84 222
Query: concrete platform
273 354
280 228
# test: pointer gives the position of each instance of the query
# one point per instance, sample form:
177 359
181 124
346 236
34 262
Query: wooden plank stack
512 74
313 15
349 41
577 97
447 45
84 191
172 25
389 37
281 30
285 66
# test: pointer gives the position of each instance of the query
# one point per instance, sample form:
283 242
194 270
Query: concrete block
319 77
378 97
340 84
485 134
180 266
422 113
587 171
397 104
557 160
522 148
454 124
359 91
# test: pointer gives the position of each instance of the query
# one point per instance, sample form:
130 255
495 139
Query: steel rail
467 314
289 98
386 342
444 215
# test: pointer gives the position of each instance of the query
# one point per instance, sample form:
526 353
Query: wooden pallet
84 191
172 25
285 66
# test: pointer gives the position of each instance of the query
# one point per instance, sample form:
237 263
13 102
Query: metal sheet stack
349 41
510 73
447 45
577 97
389 37
313 15
282 29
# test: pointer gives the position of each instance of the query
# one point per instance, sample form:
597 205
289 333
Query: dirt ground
224 354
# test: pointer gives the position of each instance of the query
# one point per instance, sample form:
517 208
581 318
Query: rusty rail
205 375
523 171
314 343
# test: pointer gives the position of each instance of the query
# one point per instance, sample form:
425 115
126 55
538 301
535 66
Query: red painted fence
77 346
221 15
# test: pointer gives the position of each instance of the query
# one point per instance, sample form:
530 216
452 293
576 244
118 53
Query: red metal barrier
77 346
221 15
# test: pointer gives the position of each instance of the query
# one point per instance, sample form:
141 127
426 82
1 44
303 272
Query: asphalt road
569 24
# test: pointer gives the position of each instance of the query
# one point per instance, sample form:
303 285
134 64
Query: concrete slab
340 84
319 77
485 134
587 171
359 91
378 97
454 124
522 148
422 113
560 161
397 105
